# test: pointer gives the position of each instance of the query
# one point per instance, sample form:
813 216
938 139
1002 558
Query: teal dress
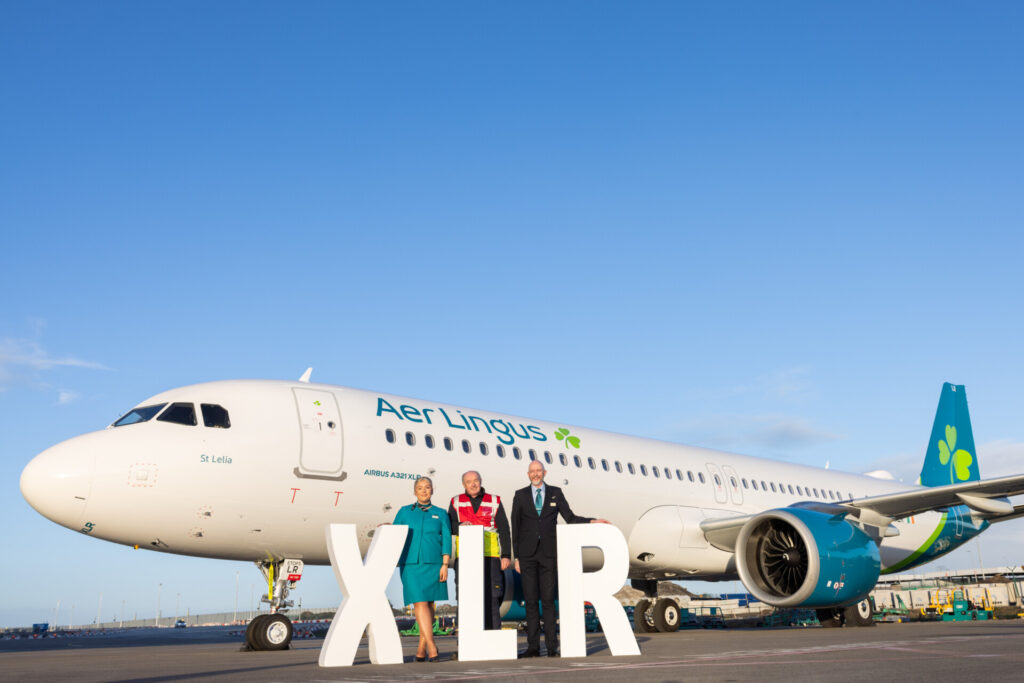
430 537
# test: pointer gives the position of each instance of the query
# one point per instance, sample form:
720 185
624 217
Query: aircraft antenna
305 375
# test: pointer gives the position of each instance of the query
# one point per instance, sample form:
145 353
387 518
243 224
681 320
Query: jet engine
796 557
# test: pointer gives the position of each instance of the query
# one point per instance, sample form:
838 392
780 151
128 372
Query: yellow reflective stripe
492 544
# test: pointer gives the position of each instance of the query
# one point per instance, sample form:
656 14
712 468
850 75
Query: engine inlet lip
746 553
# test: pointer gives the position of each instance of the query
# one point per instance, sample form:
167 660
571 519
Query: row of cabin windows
467 447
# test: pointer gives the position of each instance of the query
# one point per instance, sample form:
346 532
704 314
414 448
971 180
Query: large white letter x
363 601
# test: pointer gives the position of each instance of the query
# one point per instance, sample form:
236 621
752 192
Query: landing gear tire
860 614
250 632
269 632
830 617
665 615
642 618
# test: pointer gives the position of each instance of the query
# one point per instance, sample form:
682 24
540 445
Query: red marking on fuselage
294 491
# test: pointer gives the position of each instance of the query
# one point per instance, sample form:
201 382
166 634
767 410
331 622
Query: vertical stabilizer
950 457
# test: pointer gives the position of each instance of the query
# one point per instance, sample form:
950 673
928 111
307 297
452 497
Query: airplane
254 469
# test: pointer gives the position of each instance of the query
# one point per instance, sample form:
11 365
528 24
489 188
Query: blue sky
775 229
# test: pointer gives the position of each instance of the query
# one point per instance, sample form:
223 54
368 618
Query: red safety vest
484 517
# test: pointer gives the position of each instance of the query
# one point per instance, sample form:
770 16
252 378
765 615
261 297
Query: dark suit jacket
535 535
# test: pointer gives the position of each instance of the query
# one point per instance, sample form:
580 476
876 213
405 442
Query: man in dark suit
535 511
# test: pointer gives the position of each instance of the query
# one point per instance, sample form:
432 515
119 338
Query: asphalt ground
936 651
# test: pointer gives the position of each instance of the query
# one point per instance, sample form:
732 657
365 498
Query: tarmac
977 651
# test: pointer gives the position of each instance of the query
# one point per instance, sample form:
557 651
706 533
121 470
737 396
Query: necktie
538 503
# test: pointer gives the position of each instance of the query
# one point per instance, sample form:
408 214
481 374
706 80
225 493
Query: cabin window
643 470
466 447
618 467
799 490
790 487
562 459
773 487
815 492
718 480
483 448
447 444
501 450
410 438
732 480
654 471
136 415
593 465
851 496
689 475
830 495
632 470
216 416
764 486
744 483
533 454
700 475
516 453
180 414
604 464
429 440
547 457
576 459
389 435
679 475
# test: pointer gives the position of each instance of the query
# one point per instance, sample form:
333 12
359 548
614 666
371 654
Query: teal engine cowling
795 557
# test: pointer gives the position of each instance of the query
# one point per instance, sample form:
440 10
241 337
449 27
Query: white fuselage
267 486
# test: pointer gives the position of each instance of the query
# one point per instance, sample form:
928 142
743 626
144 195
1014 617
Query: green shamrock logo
563 433
961 459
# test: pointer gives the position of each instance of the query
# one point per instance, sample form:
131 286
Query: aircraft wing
987 499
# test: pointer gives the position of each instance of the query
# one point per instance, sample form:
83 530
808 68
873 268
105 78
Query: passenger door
733 483
320 443
718 484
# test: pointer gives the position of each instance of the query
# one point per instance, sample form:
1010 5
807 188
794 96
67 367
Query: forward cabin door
320 443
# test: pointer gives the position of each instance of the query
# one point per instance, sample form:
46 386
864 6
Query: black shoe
529 653
420 659
432 659
554 653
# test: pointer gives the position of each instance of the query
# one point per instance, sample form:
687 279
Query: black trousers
539 575
494 591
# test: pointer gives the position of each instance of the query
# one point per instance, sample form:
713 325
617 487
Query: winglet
305 375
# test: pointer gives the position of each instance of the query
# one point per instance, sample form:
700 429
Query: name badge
434 516
553 505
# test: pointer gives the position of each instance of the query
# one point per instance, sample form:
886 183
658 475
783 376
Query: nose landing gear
274 631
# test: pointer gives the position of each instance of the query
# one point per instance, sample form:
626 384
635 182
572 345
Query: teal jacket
430 534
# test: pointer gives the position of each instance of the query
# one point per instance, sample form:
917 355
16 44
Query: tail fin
950 458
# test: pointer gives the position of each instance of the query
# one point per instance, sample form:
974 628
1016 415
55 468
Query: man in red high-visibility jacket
476 506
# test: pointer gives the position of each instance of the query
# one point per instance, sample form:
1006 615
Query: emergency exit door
320 443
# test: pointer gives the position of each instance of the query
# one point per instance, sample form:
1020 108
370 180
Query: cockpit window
140 414
215 416
179 413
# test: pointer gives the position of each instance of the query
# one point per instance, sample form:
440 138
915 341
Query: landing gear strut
274 631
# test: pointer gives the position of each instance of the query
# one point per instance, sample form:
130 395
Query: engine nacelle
794 557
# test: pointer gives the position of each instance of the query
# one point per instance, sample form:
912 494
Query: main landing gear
857 614
656 616
274 631
653 614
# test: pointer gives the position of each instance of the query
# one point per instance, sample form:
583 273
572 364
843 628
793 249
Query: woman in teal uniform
423 565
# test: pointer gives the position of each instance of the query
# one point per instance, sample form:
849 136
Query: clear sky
773 228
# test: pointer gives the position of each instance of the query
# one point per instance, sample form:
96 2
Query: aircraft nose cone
58 481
